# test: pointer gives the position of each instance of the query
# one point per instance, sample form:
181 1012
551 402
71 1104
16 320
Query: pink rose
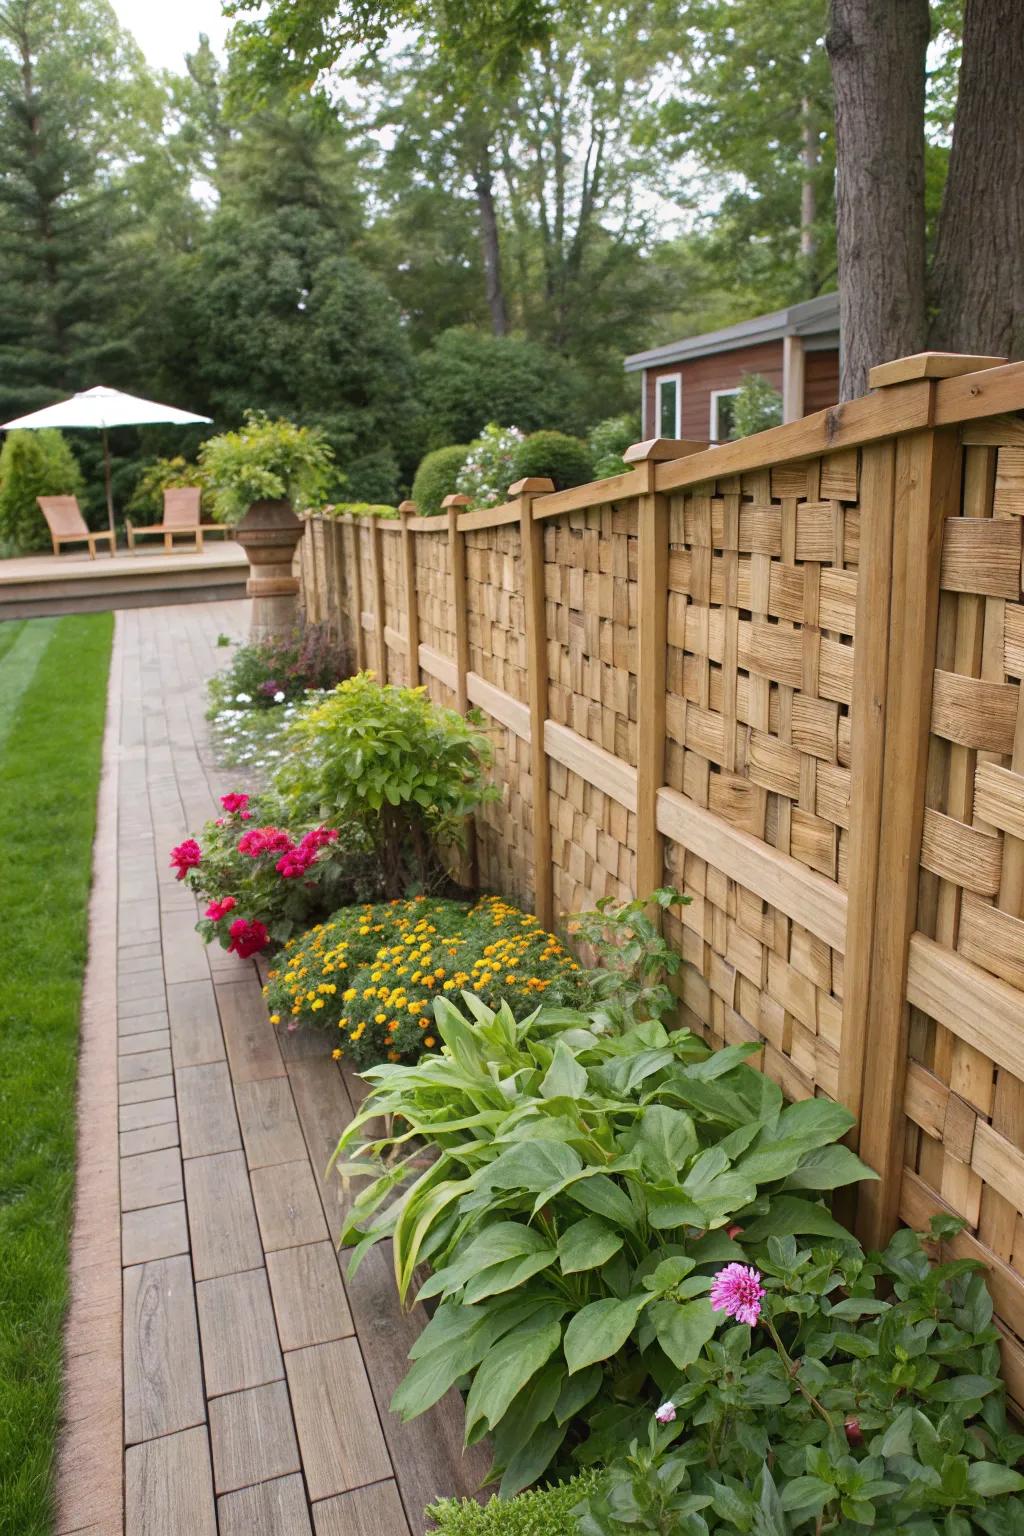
247 939
186 856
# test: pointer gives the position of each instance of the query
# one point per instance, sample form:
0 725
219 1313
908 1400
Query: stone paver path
256 1381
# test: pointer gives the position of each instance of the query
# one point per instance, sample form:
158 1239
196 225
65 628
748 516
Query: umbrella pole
110 496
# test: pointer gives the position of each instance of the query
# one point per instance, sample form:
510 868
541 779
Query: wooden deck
256 1380
38 585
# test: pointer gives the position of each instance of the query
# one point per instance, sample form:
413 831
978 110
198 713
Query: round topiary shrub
565 460
436 477
33 464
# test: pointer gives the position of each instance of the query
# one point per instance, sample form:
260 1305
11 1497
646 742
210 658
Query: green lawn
53 677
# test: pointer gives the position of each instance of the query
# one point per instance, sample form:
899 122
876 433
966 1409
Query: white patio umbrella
101 408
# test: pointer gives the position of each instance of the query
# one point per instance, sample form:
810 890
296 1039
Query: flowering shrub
595 1181
397 770
855 1395
490 465
372 972
264 879
277 671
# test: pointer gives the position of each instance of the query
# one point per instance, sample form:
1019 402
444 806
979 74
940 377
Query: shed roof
815 319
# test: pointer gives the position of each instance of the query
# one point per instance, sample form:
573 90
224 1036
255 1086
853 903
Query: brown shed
687 384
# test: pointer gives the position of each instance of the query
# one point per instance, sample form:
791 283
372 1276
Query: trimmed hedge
565 460
436 477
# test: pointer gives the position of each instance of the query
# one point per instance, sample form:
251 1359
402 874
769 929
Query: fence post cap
457 500
407 506
929 365
533 485
656 449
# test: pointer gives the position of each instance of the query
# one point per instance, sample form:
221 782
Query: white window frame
716 395
677 380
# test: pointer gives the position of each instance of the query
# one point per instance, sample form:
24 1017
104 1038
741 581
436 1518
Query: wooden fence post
531 534
460 618
406 510
652 642
927 485
379 610
355 589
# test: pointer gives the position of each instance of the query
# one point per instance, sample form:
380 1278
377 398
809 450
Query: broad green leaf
807 1493
507 1368
600 1194
601 1328
957 1389
829 1168
683 1328
988 1479
788 1215
532 1458
530 1165
668 1207
665 1138
586 1244
577 1391
505 1276
565 1078
812 1123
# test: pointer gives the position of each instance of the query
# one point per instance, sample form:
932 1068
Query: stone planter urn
269 533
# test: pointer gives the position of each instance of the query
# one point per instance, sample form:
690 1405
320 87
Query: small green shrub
565 460
360 509
490 466
146 503
608 441
372 972
756 406
266 460
436 477
541 1512
392 764
33 464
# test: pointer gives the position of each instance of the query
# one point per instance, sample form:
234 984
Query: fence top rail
489 517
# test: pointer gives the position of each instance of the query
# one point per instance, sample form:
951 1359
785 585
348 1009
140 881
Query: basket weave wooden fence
783 674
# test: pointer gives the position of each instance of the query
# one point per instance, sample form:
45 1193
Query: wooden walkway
256 1381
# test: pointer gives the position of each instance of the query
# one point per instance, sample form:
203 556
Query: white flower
279 696
243 698
666 1413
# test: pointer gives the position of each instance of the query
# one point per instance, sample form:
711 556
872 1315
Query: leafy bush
270 672
756 406
541 1512
436 478
608 441
264 461
869 1389
257 868
373 972
629 985
389 764
33 464
468 378
360 509
147 499
565 460
490 466
585 1187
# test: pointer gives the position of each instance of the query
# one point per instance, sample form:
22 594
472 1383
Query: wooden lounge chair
182 511
67 525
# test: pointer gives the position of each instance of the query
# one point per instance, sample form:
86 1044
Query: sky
167 29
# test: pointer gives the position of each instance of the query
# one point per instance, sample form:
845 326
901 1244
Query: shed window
669 404
722 414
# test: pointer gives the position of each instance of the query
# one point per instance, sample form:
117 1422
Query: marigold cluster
373 972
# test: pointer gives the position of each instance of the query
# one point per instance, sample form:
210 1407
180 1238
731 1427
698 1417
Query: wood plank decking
256 1380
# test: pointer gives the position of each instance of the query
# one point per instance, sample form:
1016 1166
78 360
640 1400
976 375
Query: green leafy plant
267 673
608 441
147 498
266 460
372 972
630 982
756 406
866 1396
565 460
436 478
391 764
490 466
582 1188
360 509
33 464
541 1512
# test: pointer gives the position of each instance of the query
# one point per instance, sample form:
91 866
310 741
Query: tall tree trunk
977 284
490 243
877 51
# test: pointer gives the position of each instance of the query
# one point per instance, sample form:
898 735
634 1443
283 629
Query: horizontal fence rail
783 674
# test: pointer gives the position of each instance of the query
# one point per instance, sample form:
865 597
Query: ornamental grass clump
370 974
398 771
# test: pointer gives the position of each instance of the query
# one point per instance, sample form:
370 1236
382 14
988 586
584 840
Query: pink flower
666 1414
234 802
247 938
186 856
264 840
318 838
218 909
290 865
737 1290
